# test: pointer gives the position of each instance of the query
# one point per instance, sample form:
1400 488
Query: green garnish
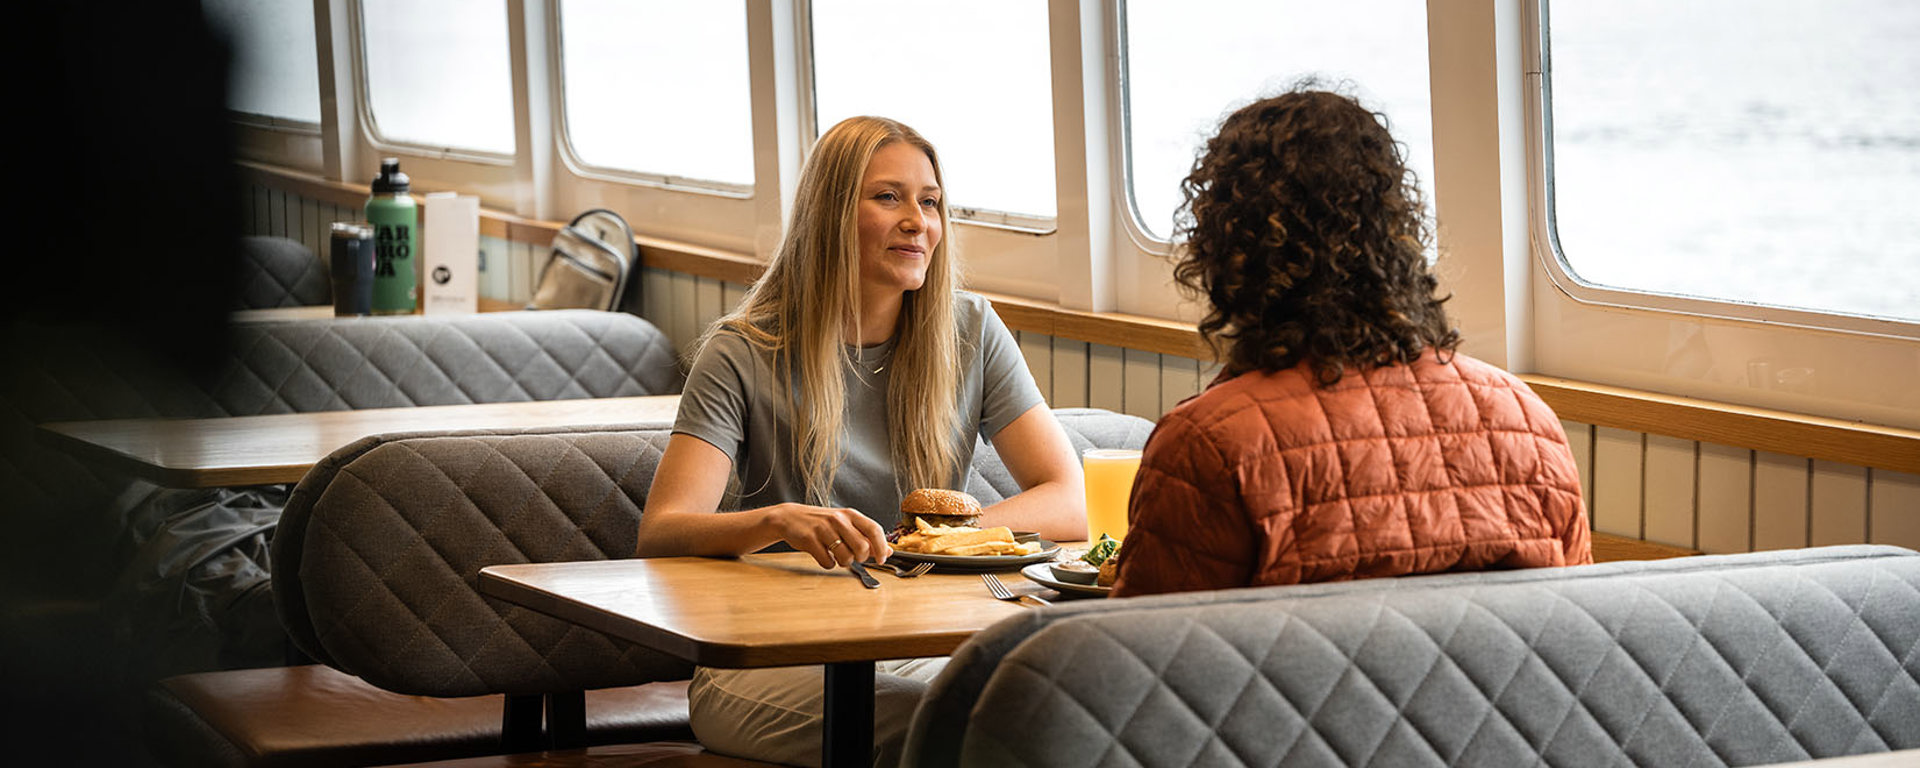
1101 550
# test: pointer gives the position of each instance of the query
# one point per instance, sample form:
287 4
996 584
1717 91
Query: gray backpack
593 259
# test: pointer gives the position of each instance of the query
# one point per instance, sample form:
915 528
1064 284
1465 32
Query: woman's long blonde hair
810 293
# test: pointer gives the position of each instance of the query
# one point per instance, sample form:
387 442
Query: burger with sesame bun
939 508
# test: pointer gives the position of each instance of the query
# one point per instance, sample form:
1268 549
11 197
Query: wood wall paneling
1106 377
532 260
1580 440
262 203
310 226
1179 379
1893 509
1726 499
684 322
1037 349
732 294
289 211
656 297
1070 371
710 302
1617 475
1670 471
1141 391
1779 501
1837 504
519 272
496 259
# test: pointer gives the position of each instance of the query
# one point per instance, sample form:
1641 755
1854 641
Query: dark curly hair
1307 234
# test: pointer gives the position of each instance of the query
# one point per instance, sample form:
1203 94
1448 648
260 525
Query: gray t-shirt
733 400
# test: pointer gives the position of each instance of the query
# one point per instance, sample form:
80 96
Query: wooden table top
1608 548
773 610
325 311
280 448
763 610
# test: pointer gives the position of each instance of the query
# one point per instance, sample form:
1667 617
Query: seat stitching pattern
1639 619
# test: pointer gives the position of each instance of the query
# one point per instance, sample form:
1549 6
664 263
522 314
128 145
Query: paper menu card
450 241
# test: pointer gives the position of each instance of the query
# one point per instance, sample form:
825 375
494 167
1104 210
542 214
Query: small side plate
1040 573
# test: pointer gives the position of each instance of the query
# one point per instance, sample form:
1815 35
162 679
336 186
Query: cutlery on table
905 573
1000 590
866 579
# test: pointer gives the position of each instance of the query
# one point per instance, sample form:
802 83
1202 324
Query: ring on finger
836 543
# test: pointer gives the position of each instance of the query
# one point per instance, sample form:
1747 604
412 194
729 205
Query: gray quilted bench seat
376 558
1724 660
279 272
93 561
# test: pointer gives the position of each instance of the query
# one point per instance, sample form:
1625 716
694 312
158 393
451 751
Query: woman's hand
834 536
680 518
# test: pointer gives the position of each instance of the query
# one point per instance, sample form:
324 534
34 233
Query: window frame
1552 258
1557 327
580 167
979 216
369 126
1132 222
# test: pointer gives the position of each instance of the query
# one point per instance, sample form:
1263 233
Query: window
1752 152
1189 63
275 67
658 88
437 73
974 78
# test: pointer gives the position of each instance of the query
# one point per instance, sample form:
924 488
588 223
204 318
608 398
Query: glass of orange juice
1109 487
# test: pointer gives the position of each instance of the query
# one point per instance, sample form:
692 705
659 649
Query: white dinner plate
1042 574
983 562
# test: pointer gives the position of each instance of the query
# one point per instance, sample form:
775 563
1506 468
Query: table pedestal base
847 715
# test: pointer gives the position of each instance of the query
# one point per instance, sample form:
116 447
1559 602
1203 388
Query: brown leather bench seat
319 716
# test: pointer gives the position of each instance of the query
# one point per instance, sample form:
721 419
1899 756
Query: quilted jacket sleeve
1187 529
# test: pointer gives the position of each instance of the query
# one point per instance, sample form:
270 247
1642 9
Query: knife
866 579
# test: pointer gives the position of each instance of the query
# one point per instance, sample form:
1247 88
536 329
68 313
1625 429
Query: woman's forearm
665 534
1056 510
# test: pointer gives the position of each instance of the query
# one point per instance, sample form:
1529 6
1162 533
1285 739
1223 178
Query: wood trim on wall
1754 428
1759 429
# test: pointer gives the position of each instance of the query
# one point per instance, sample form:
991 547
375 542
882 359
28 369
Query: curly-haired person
1345 437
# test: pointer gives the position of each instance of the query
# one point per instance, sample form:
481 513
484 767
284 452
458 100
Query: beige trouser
774 714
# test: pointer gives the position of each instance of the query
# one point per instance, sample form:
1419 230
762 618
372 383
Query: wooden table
1608 548
768 610
280 448
325 311
776 610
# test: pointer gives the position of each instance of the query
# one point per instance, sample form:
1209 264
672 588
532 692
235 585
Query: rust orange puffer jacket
1267 479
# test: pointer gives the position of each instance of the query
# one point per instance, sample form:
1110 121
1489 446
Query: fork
1001 592
905 573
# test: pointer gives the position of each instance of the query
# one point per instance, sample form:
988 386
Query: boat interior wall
1716 488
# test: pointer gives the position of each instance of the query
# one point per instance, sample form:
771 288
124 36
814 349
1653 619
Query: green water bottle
396 241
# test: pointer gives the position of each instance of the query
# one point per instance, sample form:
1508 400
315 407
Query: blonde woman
853 372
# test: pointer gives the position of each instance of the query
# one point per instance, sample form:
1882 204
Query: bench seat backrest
67 374
1736 660
379 550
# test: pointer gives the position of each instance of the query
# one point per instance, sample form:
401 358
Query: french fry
962 541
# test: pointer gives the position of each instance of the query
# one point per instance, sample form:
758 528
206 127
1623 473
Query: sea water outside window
659 88
974 78
1753 151
437 73
275 70
1187 68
